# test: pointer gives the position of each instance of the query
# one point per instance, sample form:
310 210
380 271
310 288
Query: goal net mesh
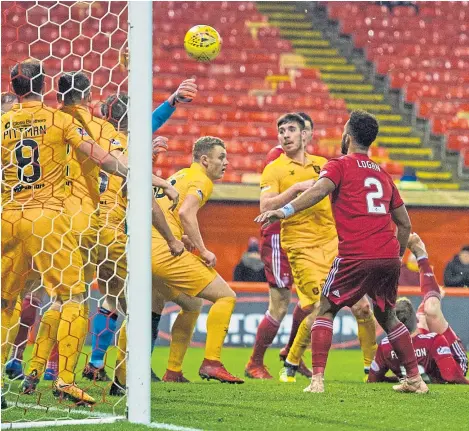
88 37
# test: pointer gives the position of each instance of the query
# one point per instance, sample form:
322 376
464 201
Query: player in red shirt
280 279
365 201
440 353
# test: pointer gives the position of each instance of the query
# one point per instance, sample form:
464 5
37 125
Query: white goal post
139 211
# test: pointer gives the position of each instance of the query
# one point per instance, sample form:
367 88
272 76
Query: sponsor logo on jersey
336 293
443 350
265 188
428 274
115 142
82 132
199 192
375 366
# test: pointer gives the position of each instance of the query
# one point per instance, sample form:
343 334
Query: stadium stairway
398 140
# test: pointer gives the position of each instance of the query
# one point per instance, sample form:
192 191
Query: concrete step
302 43
434 176
324 61
392 130
443 186
389 118
295 25
414 153
293 33
329 52
333 86
370 107
428 165
267 7
399 141
347 77
359 97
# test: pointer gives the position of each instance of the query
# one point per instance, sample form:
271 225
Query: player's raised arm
404 227
188 217
186 91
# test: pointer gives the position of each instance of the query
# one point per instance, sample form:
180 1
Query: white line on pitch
85 412
171 427
44 424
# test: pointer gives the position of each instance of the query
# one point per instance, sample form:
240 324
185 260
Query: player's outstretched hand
269 217
190 246
176 247
160 145
209 258
186 91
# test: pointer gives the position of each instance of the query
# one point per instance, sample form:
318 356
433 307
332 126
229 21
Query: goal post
139 212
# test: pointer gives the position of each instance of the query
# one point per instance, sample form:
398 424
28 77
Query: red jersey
433 355
361 203
272 155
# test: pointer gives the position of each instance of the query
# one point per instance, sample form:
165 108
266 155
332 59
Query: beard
344 146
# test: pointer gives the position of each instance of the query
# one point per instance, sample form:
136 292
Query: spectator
457 270
250 267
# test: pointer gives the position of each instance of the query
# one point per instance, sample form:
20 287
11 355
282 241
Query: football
202 43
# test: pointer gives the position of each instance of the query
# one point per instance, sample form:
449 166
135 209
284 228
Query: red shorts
276 266
350 279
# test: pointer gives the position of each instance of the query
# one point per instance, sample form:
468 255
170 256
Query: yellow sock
70 337
217 326
367 338
302 341
181 335
121 364
14 325
45 340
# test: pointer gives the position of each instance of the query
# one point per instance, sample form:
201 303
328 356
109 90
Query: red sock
53 361
298 316
321 341
450 335
428 285
266 333
401 343
30 307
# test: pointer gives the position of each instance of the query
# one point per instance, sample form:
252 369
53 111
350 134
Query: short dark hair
73 87
363 127
465 248
306 117
405 312
204 145
291 117
27 77
114 110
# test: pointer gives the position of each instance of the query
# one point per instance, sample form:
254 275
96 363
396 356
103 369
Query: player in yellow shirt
188 273
36 237
309 238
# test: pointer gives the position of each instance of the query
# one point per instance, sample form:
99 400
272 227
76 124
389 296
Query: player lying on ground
189 274
33 194
364 201
104 323
440 354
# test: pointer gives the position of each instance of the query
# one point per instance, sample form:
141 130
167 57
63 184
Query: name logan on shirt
369 165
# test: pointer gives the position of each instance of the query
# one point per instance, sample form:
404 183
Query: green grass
348 403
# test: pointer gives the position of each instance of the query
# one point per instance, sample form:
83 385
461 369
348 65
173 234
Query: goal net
65 229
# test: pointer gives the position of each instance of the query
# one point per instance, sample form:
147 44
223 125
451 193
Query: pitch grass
348 404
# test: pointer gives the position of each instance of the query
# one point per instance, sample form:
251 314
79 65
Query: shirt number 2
371 197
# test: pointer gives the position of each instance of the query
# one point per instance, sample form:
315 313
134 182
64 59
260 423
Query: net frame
138 216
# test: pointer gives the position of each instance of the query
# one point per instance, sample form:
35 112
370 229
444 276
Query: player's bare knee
362 310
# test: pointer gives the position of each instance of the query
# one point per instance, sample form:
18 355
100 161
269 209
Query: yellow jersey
34 155
187 181
309 228
83 173
113 196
